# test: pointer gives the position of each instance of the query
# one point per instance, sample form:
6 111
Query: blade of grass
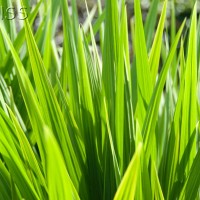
189 116
150 22
59 183
154 57
128 184
150 121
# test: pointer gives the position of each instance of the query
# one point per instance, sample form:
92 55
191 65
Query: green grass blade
142 66
150 22
119 99
143 75
150 121
156 183
192 183
28 153
189 116
128 184
59 183
154 58
69 70
5 182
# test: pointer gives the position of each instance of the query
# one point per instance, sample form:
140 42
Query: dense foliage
99 120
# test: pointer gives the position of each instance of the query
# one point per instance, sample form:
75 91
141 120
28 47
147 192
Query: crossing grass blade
28 154
149 124
128 184
156 187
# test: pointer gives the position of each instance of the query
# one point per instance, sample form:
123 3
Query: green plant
90 124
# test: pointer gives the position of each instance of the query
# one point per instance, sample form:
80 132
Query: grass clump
95 121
